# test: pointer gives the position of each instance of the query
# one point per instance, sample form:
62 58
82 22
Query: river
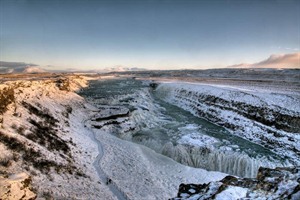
174 132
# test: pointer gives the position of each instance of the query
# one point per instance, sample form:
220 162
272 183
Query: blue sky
166 34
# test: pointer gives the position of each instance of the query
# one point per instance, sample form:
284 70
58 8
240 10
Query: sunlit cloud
274 61
280 61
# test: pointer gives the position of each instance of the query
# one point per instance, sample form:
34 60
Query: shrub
30 156
5 162
6 97
63 84
14 126
67 112
43 113
44 134
21 130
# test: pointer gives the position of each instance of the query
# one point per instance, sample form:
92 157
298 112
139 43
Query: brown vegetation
6 97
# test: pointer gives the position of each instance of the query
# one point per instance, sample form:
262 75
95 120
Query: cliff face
270 119
42 135
279 183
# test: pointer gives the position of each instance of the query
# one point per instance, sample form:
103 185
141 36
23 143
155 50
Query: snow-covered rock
279 183
16 186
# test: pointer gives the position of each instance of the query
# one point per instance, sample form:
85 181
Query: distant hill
19 67
23 70
30 70
122 69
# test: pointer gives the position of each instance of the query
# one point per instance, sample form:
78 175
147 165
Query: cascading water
176 133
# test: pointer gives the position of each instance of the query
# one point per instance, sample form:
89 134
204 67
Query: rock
16 186
153 85
278 183
113 112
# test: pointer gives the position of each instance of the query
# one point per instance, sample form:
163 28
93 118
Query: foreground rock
279 183
16 186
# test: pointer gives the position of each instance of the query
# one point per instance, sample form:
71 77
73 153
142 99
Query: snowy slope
52 145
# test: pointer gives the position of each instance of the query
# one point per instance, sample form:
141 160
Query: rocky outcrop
279 183
111 112
16 186
270 116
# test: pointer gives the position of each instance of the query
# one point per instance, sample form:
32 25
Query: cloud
286 48
275 61
280 61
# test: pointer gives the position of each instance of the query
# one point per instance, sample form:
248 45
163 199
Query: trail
101 174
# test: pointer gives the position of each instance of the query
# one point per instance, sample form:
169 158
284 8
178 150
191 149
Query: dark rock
153 85
112 117
278 183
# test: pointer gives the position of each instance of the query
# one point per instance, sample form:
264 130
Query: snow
192 190
143 174
191 135
85 150
195 139
33 70
232 193
251 95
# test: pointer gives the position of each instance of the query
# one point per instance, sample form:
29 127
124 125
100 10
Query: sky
154 34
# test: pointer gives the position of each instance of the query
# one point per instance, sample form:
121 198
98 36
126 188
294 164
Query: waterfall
234 163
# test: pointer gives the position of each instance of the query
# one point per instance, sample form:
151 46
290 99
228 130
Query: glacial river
174 132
